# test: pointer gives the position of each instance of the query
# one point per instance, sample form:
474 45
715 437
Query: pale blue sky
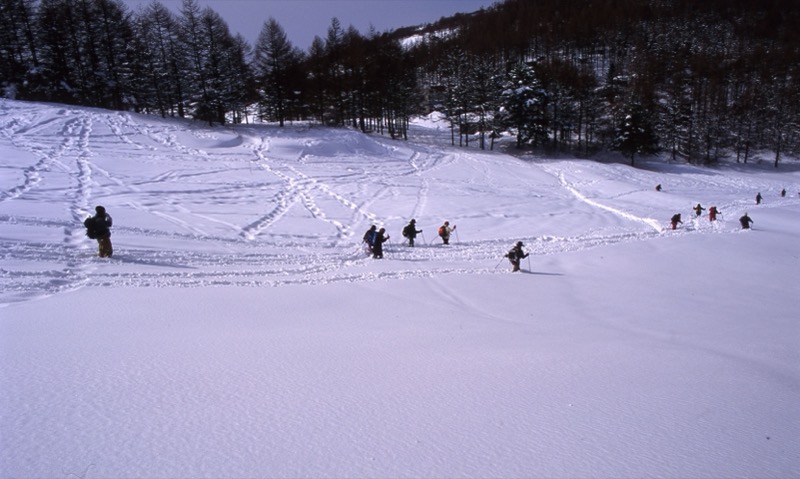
305 19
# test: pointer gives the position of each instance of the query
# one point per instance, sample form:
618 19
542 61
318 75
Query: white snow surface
240 330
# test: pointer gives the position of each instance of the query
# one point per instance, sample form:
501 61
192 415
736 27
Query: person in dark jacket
369 237
410 231
745 221
676 218
377 247
99 228
698 210
515 255
758 198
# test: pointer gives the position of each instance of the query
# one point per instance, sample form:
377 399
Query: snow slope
241 331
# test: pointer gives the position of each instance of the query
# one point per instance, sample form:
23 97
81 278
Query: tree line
699 80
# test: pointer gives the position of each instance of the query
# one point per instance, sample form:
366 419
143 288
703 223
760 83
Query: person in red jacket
712 213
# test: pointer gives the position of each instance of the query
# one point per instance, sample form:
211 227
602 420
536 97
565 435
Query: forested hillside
698 80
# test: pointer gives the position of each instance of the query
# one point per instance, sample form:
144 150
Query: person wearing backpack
515 255
410 232
712 213
698 210
444 232
369 237
98 227
676 218
377 247
745 221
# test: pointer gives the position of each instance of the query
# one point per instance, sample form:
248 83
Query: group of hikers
713 211
98 227
374 238
745 220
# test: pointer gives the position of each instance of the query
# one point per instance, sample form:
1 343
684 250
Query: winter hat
100 210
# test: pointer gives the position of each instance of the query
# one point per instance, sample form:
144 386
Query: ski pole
498 263
529 261
455 230
423 236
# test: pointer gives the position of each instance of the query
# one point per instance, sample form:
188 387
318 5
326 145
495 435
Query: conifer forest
696 81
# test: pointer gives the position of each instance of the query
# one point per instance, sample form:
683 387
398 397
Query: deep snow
241 331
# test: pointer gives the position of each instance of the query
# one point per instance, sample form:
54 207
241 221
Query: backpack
512 255
442 231
91 232
407 231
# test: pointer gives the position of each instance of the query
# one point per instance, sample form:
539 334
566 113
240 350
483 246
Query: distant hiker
745 221
515 255
377 245
676 218
783 193
445 230
658 187
410 231
98 228
698 210
758 198
712 213
369 237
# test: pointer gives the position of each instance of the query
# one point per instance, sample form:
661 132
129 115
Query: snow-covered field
241 331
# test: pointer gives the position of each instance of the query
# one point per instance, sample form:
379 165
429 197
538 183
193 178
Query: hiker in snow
758 198
658 187
445 230
698 210
676 218
515 255
783 193
98 228
369 237
377 245
410 231
745 221
712 213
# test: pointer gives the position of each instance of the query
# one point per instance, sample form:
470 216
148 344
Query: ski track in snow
653 223
87 157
